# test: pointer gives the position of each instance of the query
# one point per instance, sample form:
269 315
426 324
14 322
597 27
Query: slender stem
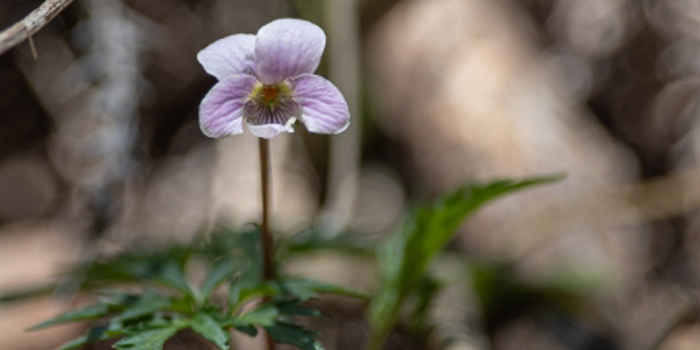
381 333
265 236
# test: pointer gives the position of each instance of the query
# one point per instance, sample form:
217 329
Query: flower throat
272 95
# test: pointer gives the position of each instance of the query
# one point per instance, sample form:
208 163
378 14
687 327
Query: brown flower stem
268 253
266 237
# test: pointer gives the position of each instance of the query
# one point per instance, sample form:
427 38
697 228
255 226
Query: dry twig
31 24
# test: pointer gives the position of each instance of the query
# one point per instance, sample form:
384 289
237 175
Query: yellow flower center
272 95
270 92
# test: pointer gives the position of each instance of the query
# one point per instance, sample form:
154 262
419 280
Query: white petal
221 111
229 56
323 107
268 131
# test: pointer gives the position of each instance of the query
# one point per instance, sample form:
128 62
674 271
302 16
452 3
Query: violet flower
267 81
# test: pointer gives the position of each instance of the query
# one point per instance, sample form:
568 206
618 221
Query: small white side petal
323 107
288 47
268 131
221 110
231 55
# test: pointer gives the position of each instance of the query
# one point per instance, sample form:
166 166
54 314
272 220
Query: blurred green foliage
503 295
405 257
233 279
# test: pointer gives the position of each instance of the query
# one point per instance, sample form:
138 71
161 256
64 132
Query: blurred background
100 150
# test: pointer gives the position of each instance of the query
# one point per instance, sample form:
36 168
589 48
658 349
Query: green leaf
146 305
153 321
120 326
405 257
313 238
96 333
219 272
120 298
265 315
173 275
88 313
131 306
293 308
298 288
183 305
76 343
428 287
304 289
150 339
248 329
240 291
209 328
164 267
243 247
289 333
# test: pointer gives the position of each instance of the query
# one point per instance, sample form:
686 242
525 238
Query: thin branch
31 24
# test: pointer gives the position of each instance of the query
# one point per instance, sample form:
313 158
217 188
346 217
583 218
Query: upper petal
228 56
221 110
288 47
324 109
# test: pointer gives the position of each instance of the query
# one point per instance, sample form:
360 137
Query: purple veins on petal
266 81
222 109
257 112
324 109
267 119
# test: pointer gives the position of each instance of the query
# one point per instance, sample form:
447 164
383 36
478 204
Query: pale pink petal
288 47
323 108
221 110
228 56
